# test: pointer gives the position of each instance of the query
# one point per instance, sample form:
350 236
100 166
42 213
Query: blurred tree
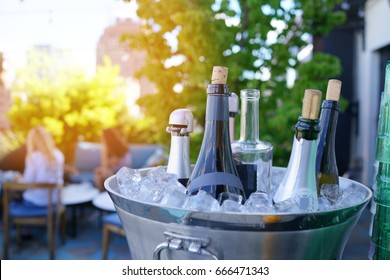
72 106
183 40
259 41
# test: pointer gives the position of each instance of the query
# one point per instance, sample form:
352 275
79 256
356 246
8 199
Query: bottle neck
307 129
328 123
249 126
217 108
217 118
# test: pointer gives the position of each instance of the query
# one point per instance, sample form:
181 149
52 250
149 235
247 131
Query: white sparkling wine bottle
299 182
181 123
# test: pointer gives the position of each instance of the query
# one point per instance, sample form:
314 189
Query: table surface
103 202
78 193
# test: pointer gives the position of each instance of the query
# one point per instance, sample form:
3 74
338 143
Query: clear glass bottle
326 165
253 158
299 181
181 122
215 171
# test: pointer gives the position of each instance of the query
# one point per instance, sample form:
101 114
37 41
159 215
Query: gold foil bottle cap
219 75
333 91
311 104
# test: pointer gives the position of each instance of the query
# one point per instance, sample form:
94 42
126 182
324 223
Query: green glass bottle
381 224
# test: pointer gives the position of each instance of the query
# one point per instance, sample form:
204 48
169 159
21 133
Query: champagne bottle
299 181
253 158
181 123
215 171
326 166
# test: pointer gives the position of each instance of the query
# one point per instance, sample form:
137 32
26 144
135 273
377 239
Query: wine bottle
299 181
253 158
215 171
181 123
326 165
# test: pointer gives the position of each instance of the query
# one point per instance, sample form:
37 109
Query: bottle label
248 176
305 200
214 178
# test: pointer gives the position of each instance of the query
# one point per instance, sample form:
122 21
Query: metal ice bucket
158 232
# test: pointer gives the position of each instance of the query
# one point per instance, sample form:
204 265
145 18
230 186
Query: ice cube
231 196
162 188
229 205
289 205
351 195
277 175
259 202
166 178
331 192
203 201
155 172
128 181
146 191
174 198
323 203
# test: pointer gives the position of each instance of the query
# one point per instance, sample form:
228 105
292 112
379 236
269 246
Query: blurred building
363 45
128 60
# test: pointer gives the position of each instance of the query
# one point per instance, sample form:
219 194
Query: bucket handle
176 241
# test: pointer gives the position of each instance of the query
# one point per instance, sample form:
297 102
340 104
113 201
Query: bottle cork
311 104
219 75
333 91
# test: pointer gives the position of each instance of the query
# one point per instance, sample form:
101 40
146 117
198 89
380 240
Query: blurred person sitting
114 155
44 164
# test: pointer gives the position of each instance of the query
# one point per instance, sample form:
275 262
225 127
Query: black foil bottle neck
307 129
328 120
218 89
331 104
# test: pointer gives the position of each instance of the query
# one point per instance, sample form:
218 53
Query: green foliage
320 16
72 106
259 41
192 22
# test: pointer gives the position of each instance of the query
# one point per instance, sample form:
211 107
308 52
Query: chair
111 224
19 214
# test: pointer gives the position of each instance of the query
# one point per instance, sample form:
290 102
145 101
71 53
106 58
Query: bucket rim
239 221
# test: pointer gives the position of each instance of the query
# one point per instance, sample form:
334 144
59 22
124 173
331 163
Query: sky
73 25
